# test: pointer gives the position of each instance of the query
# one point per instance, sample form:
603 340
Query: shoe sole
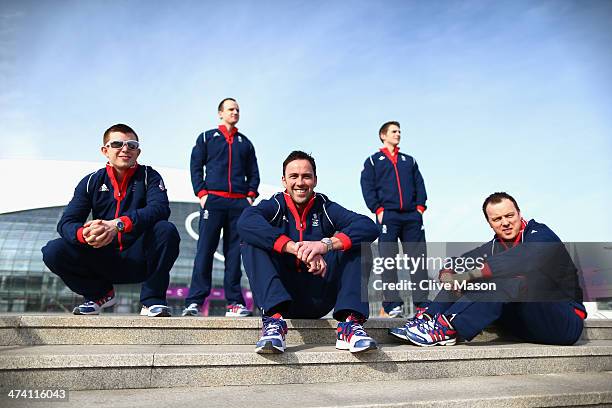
343 345
269 348
161 314
450 342
79 313
232 314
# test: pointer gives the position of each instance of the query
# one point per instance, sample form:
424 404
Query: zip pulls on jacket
120 191
300 219
393 158
229 138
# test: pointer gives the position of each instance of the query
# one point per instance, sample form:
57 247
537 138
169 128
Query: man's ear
315 182
104 151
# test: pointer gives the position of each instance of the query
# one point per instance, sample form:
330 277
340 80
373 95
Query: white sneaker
351 336
396 312
156 311
192 310
273 334
94 307
237 310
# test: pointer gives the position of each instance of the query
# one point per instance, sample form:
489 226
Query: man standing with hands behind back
227 187
393 189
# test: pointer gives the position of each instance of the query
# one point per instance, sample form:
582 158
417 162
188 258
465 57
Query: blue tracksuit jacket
140 201
231 165
540 258
392 182
274 222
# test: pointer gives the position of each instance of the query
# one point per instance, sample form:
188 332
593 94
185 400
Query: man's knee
166 232
54 253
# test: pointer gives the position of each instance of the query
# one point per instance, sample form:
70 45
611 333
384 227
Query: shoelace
354 328
237 307
425 326
272 327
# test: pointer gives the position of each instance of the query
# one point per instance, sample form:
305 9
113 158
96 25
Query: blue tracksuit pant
274 279
92 272
408 228
535 322
219 213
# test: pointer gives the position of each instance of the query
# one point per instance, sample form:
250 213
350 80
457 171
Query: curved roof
29 184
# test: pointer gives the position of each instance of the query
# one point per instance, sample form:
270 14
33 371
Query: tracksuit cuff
80 236
280 243
127 222
486 271
202 193
379 210
346 241
252 194
421 208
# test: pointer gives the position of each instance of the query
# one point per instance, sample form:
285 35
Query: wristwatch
328 242
120 226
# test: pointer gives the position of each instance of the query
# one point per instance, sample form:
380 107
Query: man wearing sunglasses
227 187
128 239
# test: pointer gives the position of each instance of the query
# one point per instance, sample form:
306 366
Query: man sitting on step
129 239
302 255
527 262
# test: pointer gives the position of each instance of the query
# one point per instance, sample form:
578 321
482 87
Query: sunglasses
118 144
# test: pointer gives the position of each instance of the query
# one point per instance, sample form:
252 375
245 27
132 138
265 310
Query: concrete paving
32 329
148 366
550 390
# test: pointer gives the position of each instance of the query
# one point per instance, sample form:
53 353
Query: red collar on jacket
120 191
519 236
300 218
392 157
228 134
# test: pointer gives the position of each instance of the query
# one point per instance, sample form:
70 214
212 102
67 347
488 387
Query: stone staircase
137 358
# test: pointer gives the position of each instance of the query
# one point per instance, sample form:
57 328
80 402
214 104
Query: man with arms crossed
129 239
302 255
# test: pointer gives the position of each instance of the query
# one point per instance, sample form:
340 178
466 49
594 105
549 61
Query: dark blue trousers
92 272
534 322
277 278
408 228
218 214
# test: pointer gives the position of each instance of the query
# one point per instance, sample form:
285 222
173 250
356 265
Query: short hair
220 108
119 127
385 126
300 155
497 198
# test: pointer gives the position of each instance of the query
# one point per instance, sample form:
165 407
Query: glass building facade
27 285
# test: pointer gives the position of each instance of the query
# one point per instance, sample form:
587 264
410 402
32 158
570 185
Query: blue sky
504 95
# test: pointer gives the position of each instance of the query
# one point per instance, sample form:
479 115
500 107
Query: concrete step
551 390
77 367
129 329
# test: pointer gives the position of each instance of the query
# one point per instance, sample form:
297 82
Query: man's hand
449 276
317 266
379 217
251 200
99 233
203 200
308 250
